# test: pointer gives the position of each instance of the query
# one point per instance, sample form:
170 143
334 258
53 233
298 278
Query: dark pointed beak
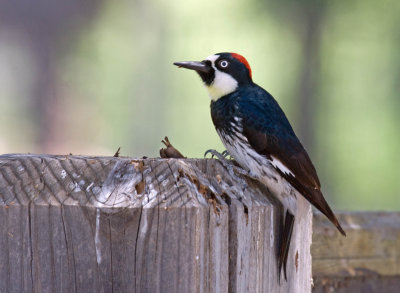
194 65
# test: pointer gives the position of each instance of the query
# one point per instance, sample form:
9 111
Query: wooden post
88 224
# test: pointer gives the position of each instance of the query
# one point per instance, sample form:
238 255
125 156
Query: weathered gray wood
86 224
367 260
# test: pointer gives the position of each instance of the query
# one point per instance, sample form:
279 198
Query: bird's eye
223 63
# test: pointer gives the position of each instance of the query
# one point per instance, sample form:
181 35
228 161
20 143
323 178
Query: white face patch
223 83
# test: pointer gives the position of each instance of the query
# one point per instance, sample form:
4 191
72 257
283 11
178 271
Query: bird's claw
215 153
220 156
230 167
212 152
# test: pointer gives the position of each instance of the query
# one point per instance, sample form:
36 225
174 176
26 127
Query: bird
258 136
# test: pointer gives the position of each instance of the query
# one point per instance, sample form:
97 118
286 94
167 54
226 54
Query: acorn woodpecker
257 134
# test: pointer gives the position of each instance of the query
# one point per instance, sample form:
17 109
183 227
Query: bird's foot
214 153
231 167
225 154
222 157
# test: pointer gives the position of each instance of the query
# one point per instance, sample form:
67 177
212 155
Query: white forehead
212 58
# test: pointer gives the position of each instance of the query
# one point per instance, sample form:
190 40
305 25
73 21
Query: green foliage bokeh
116 85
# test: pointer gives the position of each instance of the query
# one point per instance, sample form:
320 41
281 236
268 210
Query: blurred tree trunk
43 97
305 19
149 99
311 20
46 21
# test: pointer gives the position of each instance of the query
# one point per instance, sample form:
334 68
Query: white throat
223 83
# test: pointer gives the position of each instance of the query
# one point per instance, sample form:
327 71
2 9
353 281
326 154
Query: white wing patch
278 164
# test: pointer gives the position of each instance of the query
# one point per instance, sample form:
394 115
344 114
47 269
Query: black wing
269 132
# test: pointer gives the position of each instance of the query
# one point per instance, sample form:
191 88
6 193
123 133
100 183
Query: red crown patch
243 61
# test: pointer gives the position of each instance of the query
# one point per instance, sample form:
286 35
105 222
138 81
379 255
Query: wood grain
107 224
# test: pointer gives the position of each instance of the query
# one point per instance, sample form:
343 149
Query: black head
221 73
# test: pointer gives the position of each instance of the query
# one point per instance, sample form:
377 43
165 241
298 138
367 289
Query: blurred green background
86 77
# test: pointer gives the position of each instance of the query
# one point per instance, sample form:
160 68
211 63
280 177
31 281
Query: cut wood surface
367 260
106 224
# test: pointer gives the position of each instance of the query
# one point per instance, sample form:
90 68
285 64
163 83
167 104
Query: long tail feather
285 244
315 197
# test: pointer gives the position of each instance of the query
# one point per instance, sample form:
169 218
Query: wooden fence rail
367 260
